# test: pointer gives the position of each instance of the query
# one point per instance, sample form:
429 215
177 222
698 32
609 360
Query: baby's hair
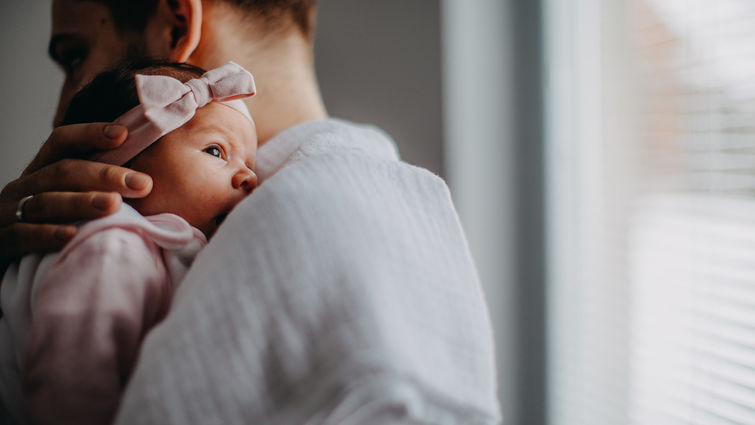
112 93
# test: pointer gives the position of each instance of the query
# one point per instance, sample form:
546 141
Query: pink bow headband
166 104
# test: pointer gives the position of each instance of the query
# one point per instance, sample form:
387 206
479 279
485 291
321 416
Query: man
340 291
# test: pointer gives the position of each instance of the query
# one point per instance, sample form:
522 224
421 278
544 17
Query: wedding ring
20 216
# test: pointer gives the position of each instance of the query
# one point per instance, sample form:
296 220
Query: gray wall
378 62
30 83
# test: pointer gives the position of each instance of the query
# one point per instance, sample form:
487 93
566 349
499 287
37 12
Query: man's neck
287 90
285 97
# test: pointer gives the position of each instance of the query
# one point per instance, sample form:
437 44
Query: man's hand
65 190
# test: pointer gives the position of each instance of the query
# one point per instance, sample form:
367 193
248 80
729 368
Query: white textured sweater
341 291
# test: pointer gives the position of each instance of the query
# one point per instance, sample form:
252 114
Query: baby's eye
214 151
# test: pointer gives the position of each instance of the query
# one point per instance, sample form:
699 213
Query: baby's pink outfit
73 321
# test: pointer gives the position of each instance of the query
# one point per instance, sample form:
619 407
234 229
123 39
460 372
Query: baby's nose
244 179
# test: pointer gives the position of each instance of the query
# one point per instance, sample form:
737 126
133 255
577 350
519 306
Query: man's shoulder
316 139
339 137
334 177
339 153
341 180
342 203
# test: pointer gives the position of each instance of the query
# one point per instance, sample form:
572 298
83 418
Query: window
651 220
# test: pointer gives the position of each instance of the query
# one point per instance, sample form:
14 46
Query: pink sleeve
88 318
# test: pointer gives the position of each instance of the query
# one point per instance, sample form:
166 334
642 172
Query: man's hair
112 93
132 15
278 14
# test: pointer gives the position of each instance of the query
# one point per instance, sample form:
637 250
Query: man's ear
185 21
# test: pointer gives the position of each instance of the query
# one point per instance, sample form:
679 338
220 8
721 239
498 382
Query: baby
74 321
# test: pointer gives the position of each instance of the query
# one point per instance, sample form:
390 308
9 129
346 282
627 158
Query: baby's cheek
207 206
163 199
145 206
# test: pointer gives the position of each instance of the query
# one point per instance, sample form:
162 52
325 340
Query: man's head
90 36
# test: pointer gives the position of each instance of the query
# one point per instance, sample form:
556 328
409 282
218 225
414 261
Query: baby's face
201 170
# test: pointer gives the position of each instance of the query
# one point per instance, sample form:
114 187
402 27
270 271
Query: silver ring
20 216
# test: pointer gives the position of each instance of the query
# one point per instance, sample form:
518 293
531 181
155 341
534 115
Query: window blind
651 161
693 324
691 256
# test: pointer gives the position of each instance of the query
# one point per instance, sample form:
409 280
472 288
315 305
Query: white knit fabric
341 291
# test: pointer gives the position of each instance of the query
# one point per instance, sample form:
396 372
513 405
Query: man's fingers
52 178
77 139
23 238
75 175
62 207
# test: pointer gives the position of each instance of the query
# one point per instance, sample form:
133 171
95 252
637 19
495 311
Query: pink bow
166 104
